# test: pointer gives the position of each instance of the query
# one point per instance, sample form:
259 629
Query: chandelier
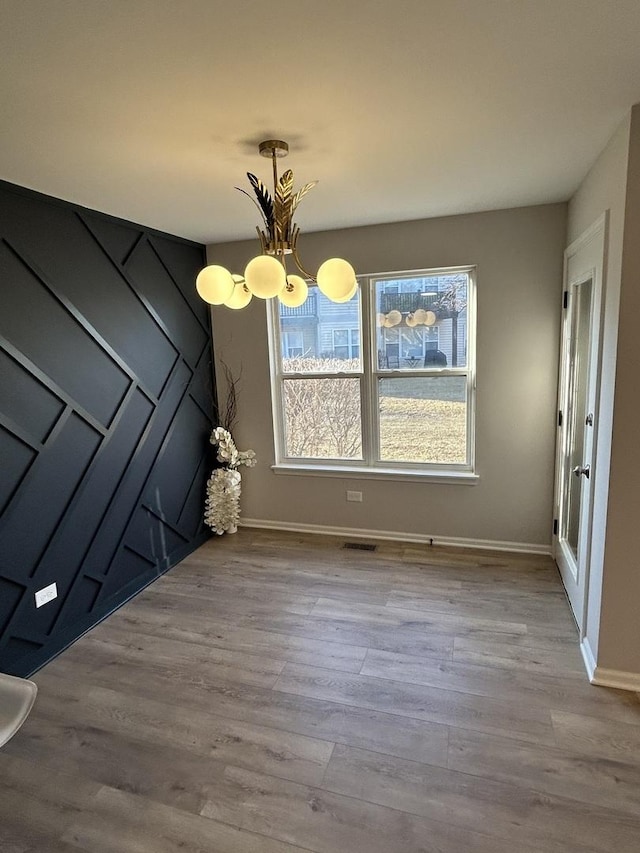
419 317
266 275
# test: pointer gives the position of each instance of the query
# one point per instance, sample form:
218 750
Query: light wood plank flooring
276 692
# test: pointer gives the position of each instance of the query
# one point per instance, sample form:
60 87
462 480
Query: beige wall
620 622
604 188
519 258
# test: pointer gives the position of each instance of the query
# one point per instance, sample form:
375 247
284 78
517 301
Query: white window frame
370 466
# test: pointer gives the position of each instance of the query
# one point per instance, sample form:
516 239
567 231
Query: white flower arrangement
228 454
222 505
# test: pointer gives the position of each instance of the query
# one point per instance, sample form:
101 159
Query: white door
577 413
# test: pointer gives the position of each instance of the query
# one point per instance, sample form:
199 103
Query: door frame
596 237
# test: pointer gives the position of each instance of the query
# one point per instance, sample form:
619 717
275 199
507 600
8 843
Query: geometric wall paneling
177 464
128 319
127 566
73 537
94 283
85 591
191 519
128 494
39 505
118 239
183 263
152 280
152 538
20 647
41 327
15 460
11 593
200 389
106 406
26 400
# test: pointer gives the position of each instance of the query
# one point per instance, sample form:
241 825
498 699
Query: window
346 343
408 346
292 344
386 380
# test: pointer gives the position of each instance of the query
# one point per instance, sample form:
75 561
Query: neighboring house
324 329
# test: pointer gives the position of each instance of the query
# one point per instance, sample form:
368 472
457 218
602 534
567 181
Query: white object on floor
17 696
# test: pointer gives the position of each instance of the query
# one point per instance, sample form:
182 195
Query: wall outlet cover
46 594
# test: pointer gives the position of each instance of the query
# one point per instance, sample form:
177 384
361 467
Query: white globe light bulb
265 276
336 278
429 318
349 295
394 317
295 293
241 296
214 284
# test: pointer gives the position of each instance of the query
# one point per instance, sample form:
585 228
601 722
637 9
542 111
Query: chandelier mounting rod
275 148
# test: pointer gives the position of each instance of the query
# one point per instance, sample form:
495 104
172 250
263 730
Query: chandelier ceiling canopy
265 276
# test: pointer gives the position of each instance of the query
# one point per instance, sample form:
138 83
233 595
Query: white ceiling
152 109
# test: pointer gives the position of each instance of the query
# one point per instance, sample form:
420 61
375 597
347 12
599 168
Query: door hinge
555 526
565 299
559 417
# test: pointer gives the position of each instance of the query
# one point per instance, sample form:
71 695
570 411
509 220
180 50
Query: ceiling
151 110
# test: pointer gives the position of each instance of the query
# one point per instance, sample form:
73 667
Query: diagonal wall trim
28 475
21 434
21 476
123 272
164 520
146 304
135 551
158 255
100 502
120 267
201 470
74 497
123 262
81 320
52 386
103 450
157 456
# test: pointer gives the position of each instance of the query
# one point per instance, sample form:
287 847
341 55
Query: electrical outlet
354 496
46 594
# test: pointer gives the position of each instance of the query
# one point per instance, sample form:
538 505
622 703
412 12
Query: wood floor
278 693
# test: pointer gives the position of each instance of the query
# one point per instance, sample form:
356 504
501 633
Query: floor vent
359 546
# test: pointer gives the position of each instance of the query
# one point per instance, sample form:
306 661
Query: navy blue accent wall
106 405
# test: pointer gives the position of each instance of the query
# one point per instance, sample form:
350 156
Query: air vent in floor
359 546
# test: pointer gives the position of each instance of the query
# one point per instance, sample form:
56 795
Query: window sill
352 472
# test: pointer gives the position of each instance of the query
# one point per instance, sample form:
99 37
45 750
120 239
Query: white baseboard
603 677
397 536
588 658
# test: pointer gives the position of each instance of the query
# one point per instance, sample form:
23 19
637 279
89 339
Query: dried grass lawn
414 430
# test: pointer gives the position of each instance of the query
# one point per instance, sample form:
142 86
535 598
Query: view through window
385 380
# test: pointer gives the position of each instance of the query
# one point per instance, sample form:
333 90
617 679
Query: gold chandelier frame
336 278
